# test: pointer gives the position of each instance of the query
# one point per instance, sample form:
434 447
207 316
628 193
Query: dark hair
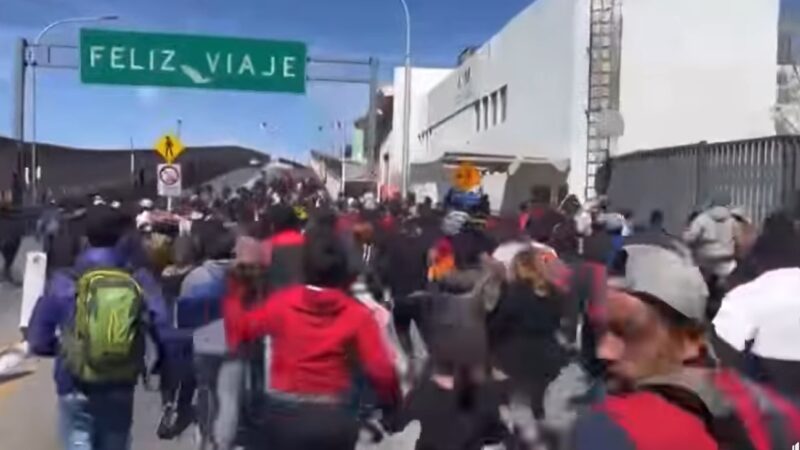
104 226
325 260
468 246
220 247
564 238
777 246
283 218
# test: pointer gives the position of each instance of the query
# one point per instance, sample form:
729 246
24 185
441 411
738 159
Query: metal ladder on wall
603 84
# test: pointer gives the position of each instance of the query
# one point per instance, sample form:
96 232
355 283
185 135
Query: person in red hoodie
318 333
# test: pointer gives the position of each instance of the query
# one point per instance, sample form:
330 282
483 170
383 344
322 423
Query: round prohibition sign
169 175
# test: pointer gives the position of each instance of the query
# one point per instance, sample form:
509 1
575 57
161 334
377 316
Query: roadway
28 405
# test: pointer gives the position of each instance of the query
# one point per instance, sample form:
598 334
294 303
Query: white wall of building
422 81
691 70
540 60
697 70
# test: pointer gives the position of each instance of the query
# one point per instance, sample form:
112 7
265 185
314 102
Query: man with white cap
665 392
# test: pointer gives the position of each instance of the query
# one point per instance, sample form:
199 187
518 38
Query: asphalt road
28 404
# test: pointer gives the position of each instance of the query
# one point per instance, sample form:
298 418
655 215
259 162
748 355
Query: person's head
325 260
564 238
778 246
469 246
528 268
656 219
146 204
571 205
283 218
411 199
720 198
220 247
653 319
364 233
104 226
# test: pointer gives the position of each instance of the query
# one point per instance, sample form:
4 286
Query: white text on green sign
173 60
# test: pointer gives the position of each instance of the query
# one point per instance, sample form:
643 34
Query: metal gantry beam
44 58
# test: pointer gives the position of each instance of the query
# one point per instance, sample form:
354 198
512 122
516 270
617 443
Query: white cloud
148 96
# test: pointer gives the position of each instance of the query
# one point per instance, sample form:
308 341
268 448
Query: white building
422 81
564 85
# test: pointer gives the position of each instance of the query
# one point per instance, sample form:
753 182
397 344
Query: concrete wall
697 70
540 58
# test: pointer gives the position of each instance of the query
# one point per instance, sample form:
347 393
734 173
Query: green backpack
106 341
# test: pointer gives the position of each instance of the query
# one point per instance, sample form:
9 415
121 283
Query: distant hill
71 172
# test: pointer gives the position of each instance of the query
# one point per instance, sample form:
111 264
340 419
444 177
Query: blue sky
99 116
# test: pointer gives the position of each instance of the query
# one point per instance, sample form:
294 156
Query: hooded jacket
455 316
694 408
712 236
56 310
316 333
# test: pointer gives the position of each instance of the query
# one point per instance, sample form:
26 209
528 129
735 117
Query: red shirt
641 421
314 332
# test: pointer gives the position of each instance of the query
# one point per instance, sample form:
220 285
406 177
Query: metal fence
760 175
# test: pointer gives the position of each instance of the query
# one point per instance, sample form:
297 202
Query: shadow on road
6 377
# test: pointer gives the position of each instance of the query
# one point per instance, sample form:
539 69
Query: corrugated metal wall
759 175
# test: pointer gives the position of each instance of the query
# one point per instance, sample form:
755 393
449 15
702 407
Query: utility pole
35 172
18 125
371 150
406 168
133 163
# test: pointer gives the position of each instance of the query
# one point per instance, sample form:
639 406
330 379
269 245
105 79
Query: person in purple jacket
93 416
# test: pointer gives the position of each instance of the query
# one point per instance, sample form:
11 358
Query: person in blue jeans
93 416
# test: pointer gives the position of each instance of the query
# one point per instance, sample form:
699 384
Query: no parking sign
169 180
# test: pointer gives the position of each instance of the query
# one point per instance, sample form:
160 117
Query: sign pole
20 52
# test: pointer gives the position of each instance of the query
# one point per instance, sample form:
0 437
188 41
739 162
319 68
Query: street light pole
406 105
34 155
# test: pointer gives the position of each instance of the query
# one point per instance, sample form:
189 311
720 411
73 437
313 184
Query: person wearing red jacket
317 333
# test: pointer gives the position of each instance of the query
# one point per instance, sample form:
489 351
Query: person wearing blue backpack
94 318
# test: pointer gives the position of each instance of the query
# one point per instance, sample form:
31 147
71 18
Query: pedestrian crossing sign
169 147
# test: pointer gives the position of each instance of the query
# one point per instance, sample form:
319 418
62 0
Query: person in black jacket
523 329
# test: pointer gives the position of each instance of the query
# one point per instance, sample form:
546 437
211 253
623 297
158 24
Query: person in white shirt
758 324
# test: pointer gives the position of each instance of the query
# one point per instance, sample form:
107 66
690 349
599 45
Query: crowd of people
274 318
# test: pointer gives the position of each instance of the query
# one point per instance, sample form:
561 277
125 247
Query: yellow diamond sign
169 147
466 177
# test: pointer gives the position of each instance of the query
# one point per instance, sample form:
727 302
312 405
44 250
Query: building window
494 108
478 115
485 113
503 103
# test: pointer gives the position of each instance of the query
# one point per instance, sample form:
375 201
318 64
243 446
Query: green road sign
174 60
